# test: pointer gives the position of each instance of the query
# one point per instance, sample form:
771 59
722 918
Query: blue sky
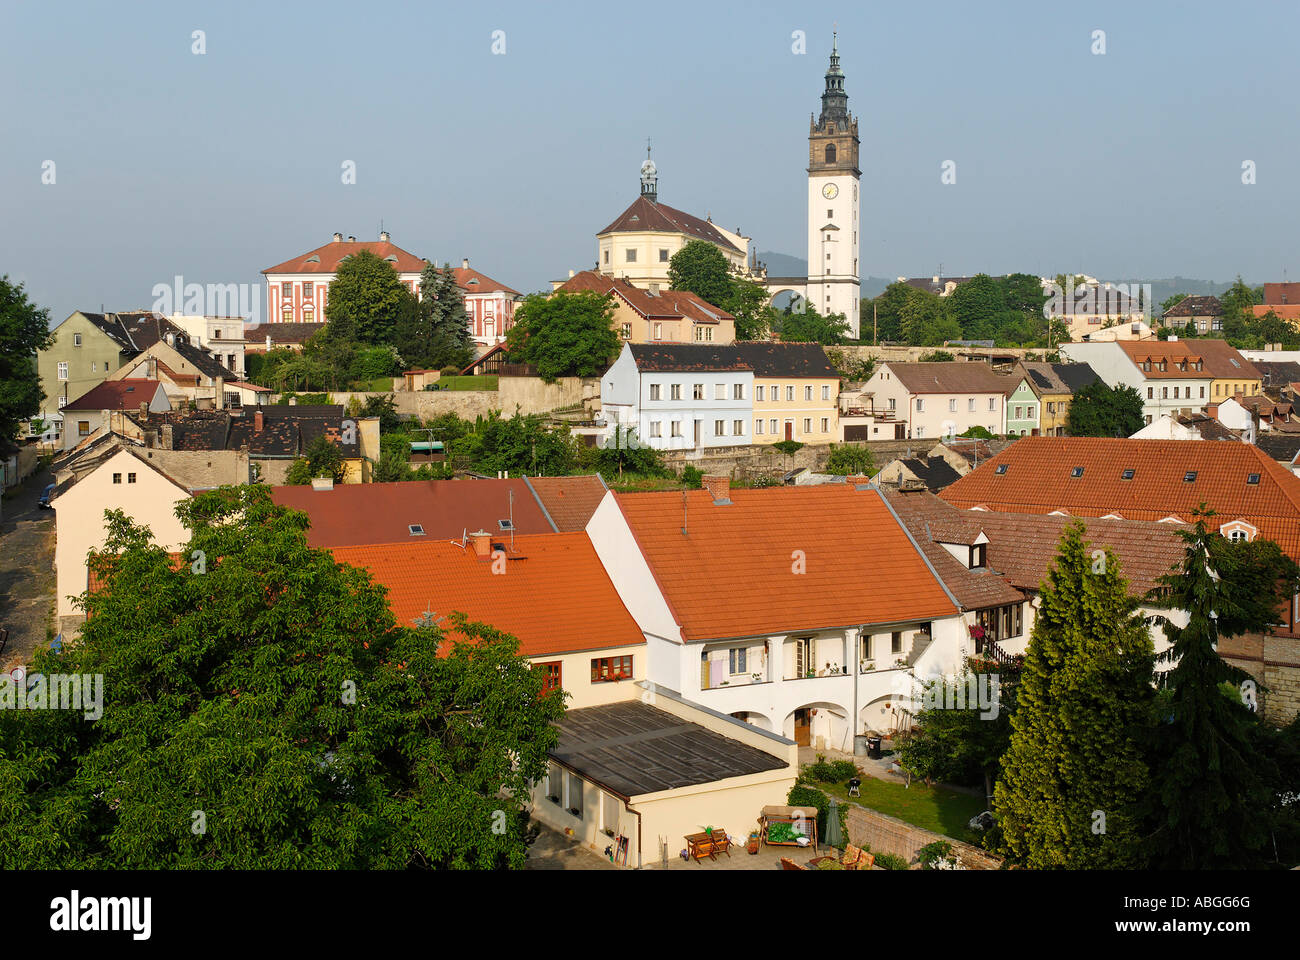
216 166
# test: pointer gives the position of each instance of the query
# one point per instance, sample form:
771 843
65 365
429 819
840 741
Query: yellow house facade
796 408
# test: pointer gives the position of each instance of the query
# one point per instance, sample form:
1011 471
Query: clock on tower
834 284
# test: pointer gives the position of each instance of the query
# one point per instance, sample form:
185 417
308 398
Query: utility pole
875 329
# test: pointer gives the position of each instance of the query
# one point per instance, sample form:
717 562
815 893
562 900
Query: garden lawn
481 382
933 808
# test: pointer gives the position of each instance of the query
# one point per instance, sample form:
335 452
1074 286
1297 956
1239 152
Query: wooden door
802 727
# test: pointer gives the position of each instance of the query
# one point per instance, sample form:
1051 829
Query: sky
213 166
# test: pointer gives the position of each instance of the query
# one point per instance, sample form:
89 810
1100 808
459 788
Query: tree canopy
564 334
1007 310
24 329
1099 410
1075 773
263 710
365 299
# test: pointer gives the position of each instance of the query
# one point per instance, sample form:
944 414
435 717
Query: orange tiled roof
666 305
569 501
734 573
1038 480
329 256
554 594
472 281
1219 359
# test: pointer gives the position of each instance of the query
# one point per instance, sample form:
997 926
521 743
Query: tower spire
649 176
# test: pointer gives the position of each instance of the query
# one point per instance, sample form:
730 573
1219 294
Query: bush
802 795
890 861
692 477
450 371
836 771
846 459
932 855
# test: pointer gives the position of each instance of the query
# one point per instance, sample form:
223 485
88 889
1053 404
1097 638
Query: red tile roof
361 513
569 501
1219 359
329 256
554 594
126 394
666 305
1038 480
471 281
1282 293
1283 311
734 574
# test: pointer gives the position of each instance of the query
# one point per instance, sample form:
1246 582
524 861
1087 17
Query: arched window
830 153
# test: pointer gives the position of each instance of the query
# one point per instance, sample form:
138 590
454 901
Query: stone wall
1274 662
529 394
885 834
912 354
741 463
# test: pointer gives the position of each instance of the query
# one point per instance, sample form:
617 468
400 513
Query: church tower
833 205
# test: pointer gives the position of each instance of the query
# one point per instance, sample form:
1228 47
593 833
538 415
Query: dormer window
978 556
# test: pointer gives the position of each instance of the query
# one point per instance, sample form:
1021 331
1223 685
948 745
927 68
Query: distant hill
784 265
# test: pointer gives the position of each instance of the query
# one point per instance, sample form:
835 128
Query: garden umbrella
834 838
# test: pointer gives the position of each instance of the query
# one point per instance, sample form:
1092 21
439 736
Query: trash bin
860 745
873 748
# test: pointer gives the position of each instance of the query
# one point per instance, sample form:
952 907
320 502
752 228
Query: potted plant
751 845
900 662
756 677
868 666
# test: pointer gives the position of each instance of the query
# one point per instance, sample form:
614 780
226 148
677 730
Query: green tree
443 302
1211 805
24 329
1099 410
265 711
565 334
963 746
365 299
975 305
846 459
1081 718
701 268
624 452
322 458
748 303
811 327
521 445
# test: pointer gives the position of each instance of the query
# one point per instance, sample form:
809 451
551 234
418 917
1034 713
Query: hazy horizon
215 166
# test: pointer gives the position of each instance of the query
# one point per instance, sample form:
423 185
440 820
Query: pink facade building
298 289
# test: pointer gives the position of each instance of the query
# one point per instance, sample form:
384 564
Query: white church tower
834 284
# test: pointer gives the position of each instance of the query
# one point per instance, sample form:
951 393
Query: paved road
26 571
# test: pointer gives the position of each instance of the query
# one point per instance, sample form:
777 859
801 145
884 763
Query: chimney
464 263
383 236
570 274
167 438
719 487
857 479
338 238
257 421
219 400
1212 410
153 368
144 408
322 483
482 543
268 341
352 239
